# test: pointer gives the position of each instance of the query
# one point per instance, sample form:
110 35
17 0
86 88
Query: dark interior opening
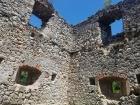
106 21
92 80
1 59
27 75
32 34
113 87
53 76
138 78
42 10
107 36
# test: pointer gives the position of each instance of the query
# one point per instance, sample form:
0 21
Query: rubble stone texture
68 56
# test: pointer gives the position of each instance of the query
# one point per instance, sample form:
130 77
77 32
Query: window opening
27 75
42 12
113 87
111 32
53 76
32 34
138 78
1 59
92 80
111 25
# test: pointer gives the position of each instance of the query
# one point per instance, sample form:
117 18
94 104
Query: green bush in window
23 77
116 87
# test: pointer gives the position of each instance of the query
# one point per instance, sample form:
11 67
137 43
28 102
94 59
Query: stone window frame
118 76
33 75
105 22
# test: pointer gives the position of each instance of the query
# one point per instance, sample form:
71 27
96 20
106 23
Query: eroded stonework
73 62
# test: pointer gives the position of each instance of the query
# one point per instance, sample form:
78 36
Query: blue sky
76 11
35 21
117 27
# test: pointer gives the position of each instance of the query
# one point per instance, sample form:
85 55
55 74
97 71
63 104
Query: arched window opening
113 87
27 75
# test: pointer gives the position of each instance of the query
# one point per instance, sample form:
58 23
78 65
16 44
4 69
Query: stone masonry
69 65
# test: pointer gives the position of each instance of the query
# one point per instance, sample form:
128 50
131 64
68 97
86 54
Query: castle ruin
60 64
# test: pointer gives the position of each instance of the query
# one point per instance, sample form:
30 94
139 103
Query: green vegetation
116 87
24 77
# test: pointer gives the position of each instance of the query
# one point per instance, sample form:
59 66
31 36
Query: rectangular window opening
113 87
138 78
111 31
92 80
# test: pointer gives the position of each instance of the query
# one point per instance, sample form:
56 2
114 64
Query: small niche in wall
138 78
27 75
92 80
1 59
32 34
53 76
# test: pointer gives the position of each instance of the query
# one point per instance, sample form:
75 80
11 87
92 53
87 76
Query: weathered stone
75 54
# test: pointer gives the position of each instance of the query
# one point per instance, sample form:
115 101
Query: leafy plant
24 77
116 87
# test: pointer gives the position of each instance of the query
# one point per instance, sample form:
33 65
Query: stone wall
67 57
46 50
120 55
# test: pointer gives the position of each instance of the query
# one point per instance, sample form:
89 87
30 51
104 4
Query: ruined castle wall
68 58
96 60
46 50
